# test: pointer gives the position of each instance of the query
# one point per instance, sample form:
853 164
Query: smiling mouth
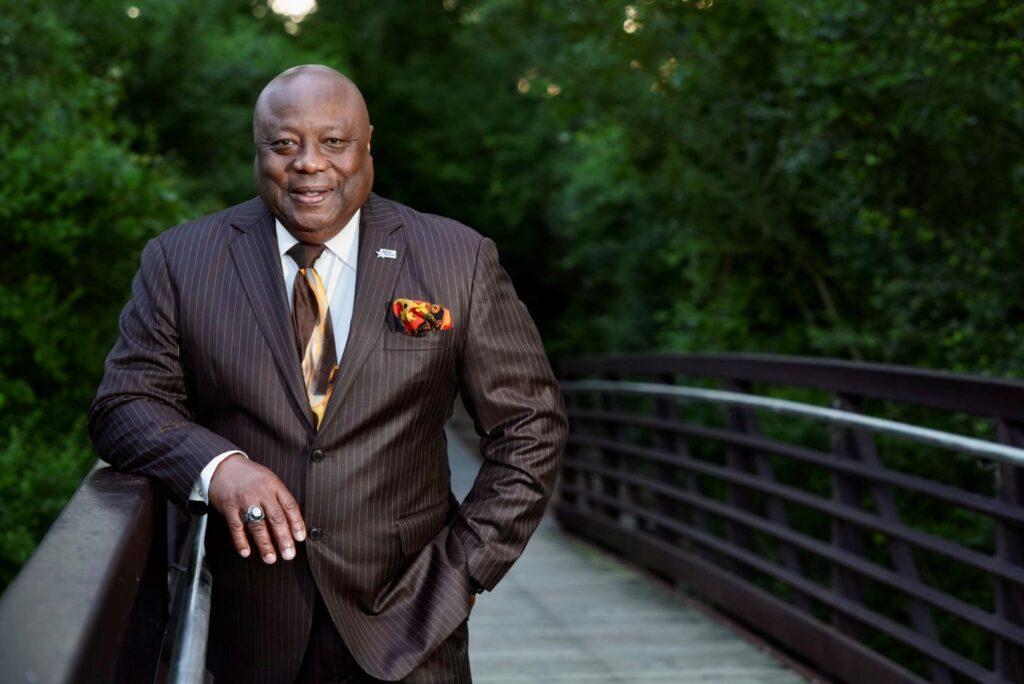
310 195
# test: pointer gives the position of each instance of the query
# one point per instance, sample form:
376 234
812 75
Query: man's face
313 164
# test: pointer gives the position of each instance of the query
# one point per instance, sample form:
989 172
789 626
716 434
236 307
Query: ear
368 138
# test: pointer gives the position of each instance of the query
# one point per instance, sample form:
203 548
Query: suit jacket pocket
399 341
415 530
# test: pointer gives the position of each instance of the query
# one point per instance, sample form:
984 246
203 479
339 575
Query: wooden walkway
568 612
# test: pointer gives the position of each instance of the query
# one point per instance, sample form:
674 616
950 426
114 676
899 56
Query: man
292 360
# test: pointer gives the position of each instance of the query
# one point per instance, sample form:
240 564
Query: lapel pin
386 253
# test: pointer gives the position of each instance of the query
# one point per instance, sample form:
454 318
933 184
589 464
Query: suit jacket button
317 455
316 533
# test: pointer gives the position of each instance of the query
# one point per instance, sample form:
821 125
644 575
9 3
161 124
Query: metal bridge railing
828 550
188 657
113 593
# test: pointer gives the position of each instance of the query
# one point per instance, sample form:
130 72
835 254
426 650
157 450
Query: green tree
114 127
76 205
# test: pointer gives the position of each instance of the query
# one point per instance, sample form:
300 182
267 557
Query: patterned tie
314 334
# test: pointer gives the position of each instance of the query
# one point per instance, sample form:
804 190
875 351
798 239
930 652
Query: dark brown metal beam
73 608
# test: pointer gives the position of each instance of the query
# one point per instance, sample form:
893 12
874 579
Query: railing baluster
740 459
627 493
613 431
845 535
676 443
746 419
900 553
567 475
1010 548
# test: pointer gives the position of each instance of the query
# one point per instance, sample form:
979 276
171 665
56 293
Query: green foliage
830 178
39 469
89 174
76 205
190 72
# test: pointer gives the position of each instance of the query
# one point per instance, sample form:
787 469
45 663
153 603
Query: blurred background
826 177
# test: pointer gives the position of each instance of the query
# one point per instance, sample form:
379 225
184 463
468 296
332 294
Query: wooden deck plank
567 612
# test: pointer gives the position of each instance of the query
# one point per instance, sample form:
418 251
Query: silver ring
253 514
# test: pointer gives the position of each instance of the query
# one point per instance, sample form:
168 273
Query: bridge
717 518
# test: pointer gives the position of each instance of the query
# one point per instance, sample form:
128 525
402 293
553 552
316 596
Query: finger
236 526
291 510
279 527
260 537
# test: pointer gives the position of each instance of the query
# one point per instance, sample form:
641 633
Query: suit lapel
375 281
258 262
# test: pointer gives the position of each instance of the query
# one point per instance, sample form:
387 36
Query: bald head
313 164
309 84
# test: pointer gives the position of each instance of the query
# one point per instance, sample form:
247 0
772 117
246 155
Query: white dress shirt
337 268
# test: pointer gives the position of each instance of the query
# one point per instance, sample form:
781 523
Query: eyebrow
286 128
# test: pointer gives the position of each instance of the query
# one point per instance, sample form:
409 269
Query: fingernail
245 553
269 558
300 534
288 553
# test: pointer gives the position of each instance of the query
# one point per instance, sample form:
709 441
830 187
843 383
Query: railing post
741 460
1010 548
610 486
569 475
674 443
744 420
862 448
847 536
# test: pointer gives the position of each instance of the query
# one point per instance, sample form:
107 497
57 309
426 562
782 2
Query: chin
312 225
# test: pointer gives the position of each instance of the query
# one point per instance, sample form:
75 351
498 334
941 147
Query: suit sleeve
140 421
510 392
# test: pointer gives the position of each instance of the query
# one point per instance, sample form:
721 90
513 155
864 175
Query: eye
336 142
282 142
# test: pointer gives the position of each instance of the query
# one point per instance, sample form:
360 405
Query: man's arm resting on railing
141 420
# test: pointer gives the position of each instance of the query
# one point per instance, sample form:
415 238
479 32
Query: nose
309 160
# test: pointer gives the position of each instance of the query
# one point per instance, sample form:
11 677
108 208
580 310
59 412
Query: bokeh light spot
296 10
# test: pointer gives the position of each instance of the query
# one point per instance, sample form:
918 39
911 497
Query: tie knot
304 255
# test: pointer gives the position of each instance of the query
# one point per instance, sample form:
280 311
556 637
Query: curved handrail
983 396
948 440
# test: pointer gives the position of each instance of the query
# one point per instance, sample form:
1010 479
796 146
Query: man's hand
239 483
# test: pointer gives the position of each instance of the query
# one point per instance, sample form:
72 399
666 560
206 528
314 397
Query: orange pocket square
418 318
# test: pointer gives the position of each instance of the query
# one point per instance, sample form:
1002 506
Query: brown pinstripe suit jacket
205 362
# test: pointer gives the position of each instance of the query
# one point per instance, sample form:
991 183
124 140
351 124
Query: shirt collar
342 245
